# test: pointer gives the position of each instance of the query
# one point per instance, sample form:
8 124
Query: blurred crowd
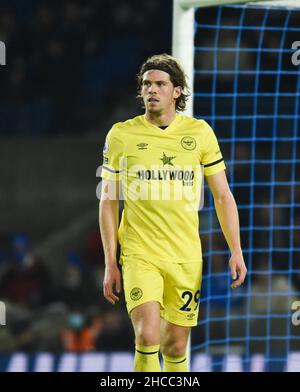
43 314
66 55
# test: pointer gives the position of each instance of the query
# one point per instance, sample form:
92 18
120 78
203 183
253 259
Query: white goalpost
183 35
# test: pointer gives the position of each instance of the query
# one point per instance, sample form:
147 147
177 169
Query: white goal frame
183 31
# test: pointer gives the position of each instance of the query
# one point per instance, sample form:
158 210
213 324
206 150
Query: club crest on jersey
188 143
136 293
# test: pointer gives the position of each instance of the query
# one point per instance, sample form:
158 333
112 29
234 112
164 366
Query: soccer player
157 161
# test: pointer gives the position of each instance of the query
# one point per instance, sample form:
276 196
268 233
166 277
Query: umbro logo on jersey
190 316
142 146
167 160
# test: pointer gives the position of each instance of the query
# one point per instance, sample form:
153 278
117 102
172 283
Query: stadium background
70 75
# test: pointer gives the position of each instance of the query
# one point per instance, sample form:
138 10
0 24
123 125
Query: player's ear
177 92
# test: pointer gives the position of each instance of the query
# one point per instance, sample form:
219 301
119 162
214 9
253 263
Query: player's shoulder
122 126
198 124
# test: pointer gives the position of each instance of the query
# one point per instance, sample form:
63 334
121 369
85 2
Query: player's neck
160 119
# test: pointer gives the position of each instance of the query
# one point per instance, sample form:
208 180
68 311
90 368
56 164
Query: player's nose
152 88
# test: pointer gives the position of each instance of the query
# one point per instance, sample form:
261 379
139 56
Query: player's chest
162 151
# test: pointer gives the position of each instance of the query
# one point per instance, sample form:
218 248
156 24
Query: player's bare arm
227 213
109 223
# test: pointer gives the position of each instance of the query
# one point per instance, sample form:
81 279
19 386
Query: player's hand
112 279
238 269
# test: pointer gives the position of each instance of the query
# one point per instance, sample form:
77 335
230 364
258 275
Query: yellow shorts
175 286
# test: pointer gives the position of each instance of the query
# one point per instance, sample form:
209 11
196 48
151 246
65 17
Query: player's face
158 92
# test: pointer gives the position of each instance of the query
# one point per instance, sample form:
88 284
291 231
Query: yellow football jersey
161 175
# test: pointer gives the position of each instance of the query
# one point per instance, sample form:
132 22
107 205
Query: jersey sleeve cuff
215 168
110 174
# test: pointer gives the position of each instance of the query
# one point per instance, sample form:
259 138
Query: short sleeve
211 159
112 155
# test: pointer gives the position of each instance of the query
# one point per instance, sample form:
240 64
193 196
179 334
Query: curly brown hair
165 62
